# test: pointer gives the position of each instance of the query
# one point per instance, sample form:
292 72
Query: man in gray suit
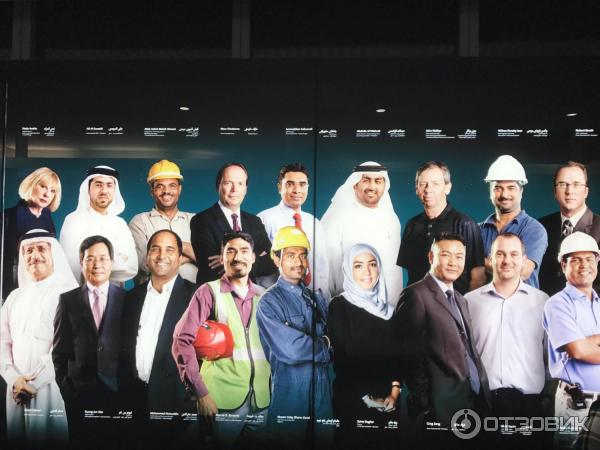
449 377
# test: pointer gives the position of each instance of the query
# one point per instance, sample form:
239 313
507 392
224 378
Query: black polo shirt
418 236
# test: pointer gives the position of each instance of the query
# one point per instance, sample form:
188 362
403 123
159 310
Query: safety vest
231 380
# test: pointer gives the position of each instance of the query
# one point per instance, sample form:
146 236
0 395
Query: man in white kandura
35 411
97 213
361 211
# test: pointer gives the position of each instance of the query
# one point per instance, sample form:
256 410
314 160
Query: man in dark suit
86 346
449 377
148 378
571 191
209 226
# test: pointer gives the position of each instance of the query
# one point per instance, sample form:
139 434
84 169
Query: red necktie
298 224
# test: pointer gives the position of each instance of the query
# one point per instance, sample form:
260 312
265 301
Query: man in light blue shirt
506 178
571 319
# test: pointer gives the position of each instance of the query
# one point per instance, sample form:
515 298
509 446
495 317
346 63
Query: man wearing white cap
571 319
97 213
361 211
35 411
165 181
506 178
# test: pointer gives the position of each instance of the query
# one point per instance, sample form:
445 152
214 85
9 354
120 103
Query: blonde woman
40 194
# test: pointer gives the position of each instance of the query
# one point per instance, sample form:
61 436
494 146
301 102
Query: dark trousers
510 402
168 426
433 433
92 417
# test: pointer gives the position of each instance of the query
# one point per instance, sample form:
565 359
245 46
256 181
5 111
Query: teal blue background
272 95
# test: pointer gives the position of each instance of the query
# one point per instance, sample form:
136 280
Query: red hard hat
213 341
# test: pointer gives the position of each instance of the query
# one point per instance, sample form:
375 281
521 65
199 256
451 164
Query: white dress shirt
509 336
282 216
151 318
574 218
228 212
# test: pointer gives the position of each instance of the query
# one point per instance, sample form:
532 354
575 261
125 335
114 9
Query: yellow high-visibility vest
229 380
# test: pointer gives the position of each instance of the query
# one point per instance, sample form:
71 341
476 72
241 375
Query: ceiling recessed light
380 110
571 114
184 108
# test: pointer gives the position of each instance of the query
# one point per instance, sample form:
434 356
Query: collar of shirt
574 219
95 213
440 216
491 289
103 288
362 208
287 210
228 212
155 213
576 294
295 289
228 287
491 219
167 287
443 286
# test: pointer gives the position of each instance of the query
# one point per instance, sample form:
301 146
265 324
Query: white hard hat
578 242
506 168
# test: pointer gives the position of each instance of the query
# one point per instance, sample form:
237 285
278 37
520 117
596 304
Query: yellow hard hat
289 237
162 170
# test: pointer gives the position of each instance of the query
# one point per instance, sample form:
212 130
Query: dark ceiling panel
539 21
135 24
292 23
6 12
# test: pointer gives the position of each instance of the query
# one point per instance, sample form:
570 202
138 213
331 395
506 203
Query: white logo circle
465 423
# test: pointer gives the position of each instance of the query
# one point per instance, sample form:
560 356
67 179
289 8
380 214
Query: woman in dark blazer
40 194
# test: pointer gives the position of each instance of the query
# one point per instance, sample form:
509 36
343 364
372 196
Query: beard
239 270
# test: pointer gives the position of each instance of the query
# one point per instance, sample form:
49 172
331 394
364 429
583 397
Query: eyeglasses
577 185
103 260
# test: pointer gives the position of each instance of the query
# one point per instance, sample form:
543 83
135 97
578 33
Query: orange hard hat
213 341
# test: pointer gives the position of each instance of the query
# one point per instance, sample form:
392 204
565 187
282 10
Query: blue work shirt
284 317
570 316
284 320
532 233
